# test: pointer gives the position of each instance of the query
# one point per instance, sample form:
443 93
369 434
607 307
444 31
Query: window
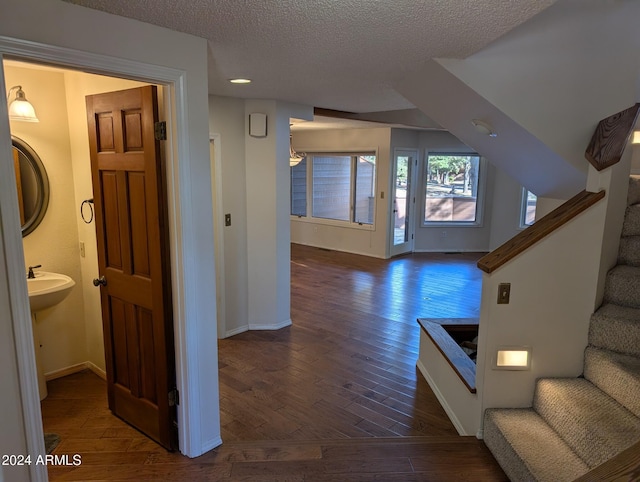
335 187
452 194
299 189
528 208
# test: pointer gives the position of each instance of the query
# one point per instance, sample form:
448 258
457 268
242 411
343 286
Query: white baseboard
78 367
452 250
277 326
211 444
97 370
236 331
450 413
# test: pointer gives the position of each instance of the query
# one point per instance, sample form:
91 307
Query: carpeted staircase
575 424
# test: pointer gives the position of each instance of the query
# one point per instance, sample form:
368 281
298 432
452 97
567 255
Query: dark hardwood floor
334 397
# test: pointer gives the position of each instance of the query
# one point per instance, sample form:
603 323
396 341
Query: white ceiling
345 55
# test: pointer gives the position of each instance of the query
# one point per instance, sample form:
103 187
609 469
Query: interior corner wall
268 230
505 209
54 243
227 118
338 237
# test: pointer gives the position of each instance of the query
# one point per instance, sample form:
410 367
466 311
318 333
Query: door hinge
174 397
160 131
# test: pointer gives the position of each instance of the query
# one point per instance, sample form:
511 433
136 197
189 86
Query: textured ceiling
343 55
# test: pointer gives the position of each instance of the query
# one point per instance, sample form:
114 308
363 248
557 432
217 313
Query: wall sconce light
20 109
483 128
636 137
513 358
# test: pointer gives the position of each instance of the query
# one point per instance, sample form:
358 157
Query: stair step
527 448
616 328
592 423
629 252
615 374
631 226
623 286
633 196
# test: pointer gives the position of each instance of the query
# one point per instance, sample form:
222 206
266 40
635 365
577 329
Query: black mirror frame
42 180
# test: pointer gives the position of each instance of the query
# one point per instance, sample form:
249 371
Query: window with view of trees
338 187
452 189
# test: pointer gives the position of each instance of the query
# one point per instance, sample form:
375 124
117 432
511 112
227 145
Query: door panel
133 258
403 202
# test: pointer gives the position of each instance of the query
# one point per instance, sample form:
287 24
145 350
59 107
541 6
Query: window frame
354 154
524 197
483 173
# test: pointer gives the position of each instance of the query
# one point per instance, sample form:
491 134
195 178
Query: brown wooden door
127 175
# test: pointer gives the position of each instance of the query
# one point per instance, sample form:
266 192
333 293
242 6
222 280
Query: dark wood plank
624 467
464 367
538 231
611 137
334 397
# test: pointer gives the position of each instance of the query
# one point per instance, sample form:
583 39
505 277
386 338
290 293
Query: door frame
188 343
411 193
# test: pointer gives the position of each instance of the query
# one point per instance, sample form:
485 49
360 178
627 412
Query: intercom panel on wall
258 125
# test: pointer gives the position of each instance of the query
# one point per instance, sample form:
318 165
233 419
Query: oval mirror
32 184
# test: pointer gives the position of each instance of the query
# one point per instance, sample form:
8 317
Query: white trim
277 326
78 367
350 251
97 370
483 174
218 229
236 331
187 360
453 251
18 296
450 413
408 246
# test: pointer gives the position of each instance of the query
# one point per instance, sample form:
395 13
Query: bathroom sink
48 289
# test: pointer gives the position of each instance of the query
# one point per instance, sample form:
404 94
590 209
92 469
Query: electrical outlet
227 219
504 291
82 252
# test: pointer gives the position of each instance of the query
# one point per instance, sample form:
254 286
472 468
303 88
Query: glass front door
402 202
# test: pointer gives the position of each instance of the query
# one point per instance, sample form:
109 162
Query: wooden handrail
610 138
623 467
542 228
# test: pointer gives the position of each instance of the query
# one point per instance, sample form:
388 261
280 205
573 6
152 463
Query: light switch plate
504 292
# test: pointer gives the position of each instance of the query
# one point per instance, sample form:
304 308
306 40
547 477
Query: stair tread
623 285
631 226
629 252
616 328
592 423
616 374
527 448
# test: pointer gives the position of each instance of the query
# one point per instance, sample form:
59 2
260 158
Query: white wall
122 45
501 203
54 243
226 118
553 288
505 209
356 239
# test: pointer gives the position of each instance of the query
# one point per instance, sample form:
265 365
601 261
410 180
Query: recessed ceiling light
240 81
